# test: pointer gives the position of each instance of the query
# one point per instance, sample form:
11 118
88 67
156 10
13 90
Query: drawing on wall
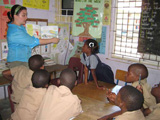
7 2
3 21
39 4
62 50
77 50
107 12
4 46
87 19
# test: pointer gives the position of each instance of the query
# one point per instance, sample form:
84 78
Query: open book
43 32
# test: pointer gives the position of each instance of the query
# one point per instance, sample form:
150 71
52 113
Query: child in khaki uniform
152 113
59 103
126 101
137 74
32 97
22 76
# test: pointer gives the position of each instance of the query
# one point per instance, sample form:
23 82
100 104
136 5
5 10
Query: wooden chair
76 65
120 76
9 95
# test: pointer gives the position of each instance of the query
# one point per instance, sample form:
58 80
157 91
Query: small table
3 83
55 68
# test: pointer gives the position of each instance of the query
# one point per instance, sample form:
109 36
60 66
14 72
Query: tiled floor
5 110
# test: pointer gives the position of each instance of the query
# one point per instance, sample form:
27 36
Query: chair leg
4 92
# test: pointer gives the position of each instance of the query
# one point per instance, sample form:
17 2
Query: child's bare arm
110 116
85 75
95 79
7 74
146 112
111 96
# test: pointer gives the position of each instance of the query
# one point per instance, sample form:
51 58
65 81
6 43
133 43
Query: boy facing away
32 97
22 76
59 103
130 100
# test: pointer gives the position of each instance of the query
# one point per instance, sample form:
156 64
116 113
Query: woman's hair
93 44
15 10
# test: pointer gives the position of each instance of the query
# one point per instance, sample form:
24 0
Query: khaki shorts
16 63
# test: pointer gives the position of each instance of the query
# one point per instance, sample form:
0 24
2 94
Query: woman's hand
55 40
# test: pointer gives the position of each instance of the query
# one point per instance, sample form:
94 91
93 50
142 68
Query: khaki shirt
155 112
149 99
59 104
22 79
29 104
134 115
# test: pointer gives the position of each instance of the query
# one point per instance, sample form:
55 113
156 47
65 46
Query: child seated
22 76
130 100
32 97
59 103
152 113
137 75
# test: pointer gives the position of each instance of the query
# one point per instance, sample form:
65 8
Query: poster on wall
107 12
39 4
7 2
102 43
3 21
87 18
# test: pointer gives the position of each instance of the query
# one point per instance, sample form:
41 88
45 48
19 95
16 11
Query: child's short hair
138 68
132 97
35 62
93 44
68 78
40 78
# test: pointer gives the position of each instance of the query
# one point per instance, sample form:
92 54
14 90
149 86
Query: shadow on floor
5 109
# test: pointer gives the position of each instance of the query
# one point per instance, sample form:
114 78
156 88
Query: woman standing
20 43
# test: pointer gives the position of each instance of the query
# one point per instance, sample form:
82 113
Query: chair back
76 65
9 95
120 76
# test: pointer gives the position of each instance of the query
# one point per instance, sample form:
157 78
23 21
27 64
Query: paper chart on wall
7 2
102 44
61 50
87 18
4 52
39 4
3 21
107 12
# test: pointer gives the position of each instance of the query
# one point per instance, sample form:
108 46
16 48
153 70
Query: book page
49 32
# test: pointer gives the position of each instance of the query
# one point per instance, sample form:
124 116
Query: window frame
151 63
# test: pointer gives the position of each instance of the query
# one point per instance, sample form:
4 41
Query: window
62 15
126 32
